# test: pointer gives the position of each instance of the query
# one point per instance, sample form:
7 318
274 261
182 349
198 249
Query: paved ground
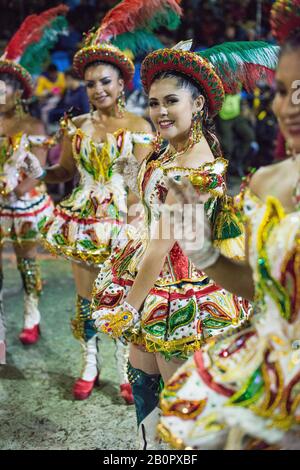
37 409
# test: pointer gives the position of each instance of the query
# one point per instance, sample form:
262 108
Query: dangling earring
19 108
121 104
157 142
289 149
196 128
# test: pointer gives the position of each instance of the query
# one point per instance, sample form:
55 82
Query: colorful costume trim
249 379
20 220
88 224
184 308
105 53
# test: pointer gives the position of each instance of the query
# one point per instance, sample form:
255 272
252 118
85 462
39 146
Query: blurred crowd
246 125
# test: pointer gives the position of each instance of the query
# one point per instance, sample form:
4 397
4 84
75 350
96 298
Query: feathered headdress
29 47
285 19
129 25
218 70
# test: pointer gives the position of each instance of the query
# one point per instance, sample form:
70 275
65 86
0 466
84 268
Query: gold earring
121 104
19 108
196 128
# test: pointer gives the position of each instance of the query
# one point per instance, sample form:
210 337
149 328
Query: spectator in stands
236 132
74 97
51 83
49 89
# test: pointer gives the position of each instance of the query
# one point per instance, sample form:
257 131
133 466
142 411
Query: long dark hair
208 125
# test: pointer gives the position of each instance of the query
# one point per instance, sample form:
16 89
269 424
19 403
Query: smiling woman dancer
87 226
248 383
172 308
24 203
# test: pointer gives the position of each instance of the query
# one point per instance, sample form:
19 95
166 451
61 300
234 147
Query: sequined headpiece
129 25
217 70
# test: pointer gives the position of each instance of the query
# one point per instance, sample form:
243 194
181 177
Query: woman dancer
89 224
24 203
171 308
248 383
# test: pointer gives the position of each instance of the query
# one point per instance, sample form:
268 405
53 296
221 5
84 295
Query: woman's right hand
31 166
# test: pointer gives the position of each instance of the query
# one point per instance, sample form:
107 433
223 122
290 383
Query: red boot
30 335
126 393
31 329
83 388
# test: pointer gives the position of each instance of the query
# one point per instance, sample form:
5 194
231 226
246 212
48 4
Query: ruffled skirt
22 221
181 311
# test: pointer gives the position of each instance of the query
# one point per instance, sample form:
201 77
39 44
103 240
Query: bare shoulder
78 121
138 124
261 176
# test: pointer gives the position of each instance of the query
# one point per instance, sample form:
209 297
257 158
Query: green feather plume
139 42
38 53
243 62
169 19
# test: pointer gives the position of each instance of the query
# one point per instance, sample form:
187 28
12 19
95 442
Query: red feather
31 31
132 14
248 76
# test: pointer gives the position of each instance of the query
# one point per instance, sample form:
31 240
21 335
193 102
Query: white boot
32 316
83 386
147 431
122 356
31 330
90 359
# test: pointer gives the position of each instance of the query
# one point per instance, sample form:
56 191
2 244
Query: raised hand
31 166
114 322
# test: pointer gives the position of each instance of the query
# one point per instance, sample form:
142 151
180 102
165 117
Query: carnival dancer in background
171 307
89 225
243 391
24 203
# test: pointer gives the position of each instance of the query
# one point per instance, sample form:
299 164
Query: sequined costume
20 219
250 379
184 307
86 225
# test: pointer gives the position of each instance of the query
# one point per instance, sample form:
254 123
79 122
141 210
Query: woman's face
171 109
286 105
103 86
8 98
